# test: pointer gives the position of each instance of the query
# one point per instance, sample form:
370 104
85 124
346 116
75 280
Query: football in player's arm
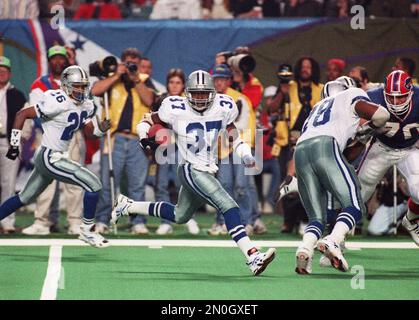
197 121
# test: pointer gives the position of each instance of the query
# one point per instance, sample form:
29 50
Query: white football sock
309 240
339 232
139 207
411 215
245 245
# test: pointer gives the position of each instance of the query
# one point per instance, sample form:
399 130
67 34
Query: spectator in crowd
230 173
303 8
272 143
303 92
146 67
276 107
100 9
19 9
382 221
245 82
335 69
129 100
391 8
176 9
407 65
175 86
46 6
254 8
216 9
415 8
337 8
47 211
360 75
11 101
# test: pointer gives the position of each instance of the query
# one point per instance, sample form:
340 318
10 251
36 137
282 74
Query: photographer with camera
242 65
295 99
129 100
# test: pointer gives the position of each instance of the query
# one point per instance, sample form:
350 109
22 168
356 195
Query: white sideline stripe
49 290
195 243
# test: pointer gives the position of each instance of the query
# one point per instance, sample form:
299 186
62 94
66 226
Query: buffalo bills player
398 145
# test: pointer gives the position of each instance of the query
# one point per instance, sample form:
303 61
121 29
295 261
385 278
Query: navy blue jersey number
199 130
75 122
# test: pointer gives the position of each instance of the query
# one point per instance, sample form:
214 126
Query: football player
321 168
398 146
197 120
62 112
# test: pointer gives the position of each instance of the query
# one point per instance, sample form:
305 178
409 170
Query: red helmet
398 86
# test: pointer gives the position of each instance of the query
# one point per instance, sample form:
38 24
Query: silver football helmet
332 88
200 90
348 81
75 83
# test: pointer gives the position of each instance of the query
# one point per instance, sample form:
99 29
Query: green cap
57 50
5 62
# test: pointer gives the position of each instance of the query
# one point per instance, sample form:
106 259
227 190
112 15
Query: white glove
249 161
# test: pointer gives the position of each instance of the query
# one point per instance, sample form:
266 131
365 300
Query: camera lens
132 67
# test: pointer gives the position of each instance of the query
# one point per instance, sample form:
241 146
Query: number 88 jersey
335 116
61 118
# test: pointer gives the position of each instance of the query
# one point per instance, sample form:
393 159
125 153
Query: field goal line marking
196 243
52 279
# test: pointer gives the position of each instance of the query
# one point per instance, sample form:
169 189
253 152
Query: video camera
107 66
239 60
285 74
103 68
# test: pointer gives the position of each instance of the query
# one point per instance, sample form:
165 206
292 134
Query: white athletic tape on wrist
242 148
15 137
380 117
142 129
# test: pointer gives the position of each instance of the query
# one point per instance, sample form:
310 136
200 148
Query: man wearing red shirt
100 9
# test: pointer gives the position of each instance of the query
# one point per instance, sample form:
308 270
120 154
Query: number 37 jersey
335 116
61 118
197 133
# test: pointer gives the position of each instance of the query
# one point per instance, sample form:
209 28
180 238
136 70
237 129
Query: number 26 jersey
335 116
61 118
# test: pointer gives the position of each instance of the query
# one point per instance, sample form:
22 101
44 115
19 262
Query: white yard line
49 290
195 243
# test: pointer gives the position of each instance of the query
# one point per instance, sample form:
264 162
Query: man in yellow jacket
294 101
129 100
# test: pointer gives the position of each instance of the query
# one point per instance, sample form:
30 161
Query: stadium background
192 44
146 272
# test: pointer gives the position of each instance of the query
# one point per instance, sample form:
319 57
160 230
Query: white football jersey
197 133
61 118
335 116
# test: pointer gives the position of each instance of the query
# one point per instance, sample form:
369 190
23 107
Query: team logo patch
408 83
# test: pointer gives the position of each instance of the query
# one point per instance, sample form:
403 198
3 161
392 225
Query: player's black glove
12 153
148 144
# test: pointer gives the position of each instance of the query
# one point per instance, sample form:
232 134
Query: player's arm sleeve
242 121
165 112
233 113
47 108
